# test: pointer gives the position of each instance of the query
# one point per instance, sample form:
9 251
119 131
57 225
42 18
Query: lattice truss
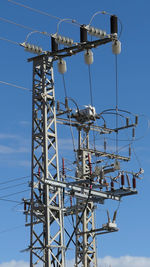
46 244
85 243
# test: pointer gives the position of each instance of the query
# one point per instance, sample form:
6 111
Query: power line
14 193
11 229
15 179
24 26
16 185
35 10
9 200
17 24
72 21
15 85
10 41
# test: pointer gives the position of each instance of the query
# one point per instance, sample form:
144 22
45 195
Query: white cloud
14 263
124 261
9 150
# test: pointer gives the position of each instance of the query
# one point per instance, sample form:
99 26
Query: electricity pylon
46 225
88 187
85 243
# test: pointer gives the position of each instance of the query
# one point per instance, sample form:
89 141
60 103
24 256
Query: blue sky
15 106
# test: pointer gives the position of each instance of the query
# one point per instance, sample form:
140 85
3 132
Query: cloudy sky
130 246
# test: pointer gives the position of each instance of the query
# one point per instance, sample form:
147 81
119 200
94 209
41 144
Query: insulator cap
113 24
133 132
116 47
83 34
105 144
127 121
112 185
136 119
88 57
129 151
134 182
62 68
122 179
54 45
66 102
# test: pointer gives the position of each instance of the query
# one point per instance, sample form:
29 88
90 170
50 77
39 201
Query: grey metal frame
46 225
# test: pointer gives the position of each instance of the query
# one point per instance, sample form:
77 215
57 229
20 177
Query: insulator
112 185
63 166
114 217
66 102
133 132
122 179
128 181
113 24
62 68
127 121
96 32
88 57
105 145
116 47
83 34
25 206
134 182
33 48
54 45
129 151
58 106
136 119
64 40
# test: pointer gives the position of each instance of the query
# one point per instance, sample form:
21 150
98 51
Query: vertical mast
46 225
85 243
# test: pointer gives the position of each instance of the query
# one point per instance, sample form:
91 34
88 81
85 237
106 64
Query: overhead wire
15 85
13 180
11 229
116 73
17 24
12 186
8 40
9 200
16 193
35 10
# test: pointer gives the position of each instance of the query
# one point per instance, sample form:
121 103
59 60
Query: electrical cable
11 229
16 185
17 24
64 84
35 10
9 200
65 92
116 70
10 41
2 197
15 85
15 179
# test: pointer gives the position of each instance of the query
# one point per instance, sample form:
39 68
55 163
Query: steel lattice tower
88 187
85 243
46 241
